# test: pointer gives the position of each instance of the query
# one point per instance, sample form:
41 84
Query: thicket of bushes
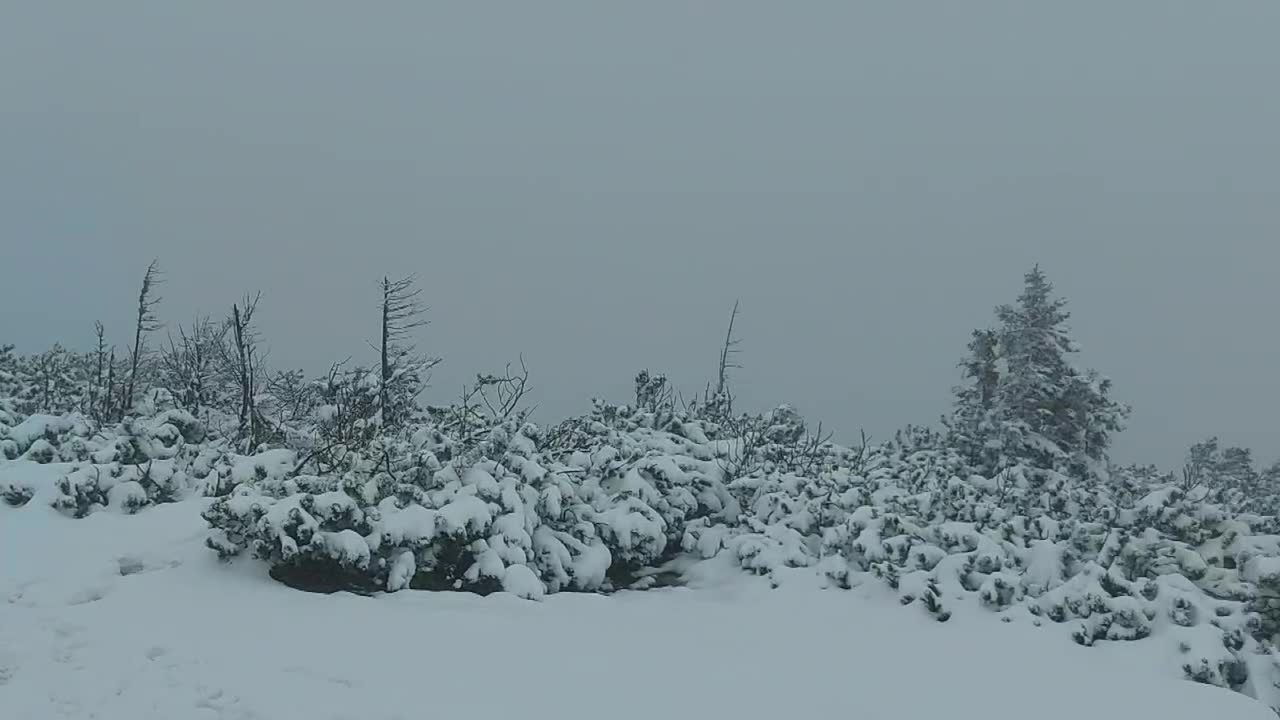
348 482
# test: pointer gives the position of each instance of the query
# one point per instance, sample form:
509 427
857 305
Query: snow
413 525
519 580
348 547
466 512
30 479
1044 567
127 494
1262 569
37 427
403 566
119 617
270 463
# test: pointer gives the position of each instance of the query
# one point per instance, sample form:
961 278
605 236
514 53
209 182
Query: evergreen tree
1238 481
52 382
1094 418
1031 412
1267 501
1024 402
1228 476
8 398
8 372
969 426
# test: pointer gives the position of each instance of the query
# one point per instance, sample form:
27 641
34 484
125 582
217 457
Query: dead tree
491 401
243 362
146 323
190 363
653 392
400 367
292 400
345 407
109 393
720 403
47 368
96 397
804 457
727 352
503 395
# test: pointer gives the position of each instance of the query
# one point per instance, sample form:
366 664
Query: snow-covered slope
120 617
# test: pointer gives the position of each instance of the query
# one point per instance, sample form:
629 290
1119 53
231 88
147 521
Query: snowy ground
130 618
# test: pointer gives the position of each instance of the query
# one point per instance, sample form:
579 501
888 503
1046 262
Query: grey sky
592 184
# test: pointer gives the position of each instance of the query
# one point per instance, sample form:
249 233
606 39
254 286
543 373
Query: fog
593 185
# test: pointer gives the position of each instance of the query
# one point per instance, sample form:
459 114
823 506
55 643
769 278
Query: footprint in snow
156 653
130 565
65 630
8 667
90 594
315 675
134 565
226 707
68 641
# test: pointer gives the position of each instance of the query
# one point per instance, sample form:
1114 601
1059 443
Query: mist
592 186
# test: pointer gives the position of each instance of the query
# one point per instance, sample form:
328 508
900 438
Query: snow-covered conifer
970 424
1024 402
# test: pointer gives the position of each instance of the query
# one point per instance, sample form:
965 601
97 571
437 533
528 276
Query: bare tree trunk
46 382
146 323
246 392
95 394
384 395
243 360
723 396
401 315
727 351
251 375
108 398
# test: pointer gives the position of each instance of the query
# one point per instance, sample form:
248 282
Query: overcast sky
593 184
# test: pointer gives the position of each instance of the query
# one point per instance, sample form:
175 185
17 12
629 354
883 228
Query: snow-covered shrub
312 535
1263 571
156 429
8 418
400 518
588 509
1011 510
646 484
127 488
46 438
154 455
1119 561
123 486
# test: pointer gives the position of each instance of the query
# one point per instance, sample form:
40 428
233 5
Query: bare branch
721 402
243 362
146 323
97 401
401 369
